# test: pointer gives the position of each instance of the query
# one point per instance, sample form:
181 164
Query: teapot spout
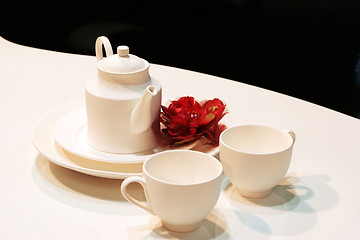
141 116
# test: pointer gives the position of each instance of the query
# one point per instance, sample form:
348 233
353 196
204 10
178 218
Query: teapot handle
102 41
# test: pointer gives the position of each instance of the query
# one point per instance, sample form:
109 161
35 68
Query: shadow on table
283 196
291 209
213 226
69 186
306 194
95 187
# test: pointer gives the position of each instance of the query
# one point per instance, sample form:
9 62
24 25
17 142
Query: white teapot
123 103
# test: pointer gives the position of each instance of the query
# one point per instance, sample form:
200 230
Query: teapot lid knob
123 51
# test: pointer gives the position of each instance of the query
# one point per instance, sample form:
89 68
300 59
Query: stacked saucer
61 137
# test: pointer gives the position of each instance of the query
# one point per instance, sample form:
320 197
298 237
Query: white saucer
45 143
70 133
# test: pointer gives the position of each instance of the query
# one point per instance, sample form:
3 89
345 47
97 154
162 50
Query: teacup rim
221 141
183 184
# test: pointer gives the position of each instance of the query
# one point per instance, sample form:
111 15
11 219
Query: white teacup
181 186
255 158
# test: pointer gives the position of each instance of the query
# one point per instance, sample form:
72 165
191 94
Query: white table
319 198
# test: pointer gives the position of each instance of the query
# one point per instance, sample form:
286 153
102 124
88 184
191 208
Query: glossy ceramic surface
177 190
255 157
122 102
81 157
45 143
70 133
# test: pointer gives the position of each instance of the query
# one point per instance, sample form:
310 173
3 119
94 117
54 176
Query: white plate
70 133
45 143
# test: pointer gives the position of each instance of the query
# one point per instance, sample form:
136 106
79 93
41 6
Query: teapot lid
122 62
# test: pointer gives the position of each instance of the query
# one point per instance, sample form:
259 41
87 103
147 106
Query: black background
308 49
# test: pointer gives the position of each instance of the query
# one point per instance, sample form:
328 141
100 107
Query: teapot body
111 100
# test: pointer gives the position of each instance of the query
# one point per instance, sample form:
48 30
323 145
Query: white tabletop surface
318 199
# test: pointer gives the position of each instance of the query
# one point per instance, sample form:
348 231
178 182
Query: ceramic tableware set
119 128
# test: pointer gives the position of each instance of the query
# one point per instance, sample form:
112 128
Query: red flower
186 120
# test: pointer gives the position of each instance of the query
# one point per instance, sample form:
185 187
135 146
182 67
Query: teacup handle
124 192
103 41
292 134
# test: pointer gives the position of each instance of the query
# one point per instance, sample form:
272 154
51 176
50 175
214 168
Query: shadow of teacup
285 196
211 227
305 194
